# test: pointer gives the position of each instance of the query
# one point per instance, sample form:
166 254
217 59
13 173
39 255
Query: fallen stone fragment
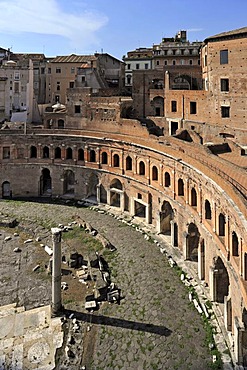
48 250
17 249
36 268
28 241
7 238
38 239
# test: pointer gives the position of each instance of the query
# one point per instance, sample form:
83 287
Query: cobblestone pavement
154 326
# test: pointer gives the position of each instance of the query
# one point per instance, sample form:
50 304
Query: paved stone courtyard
155 326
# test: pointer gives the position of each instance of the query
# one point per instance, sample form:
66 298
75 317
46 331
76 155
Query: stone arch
181 187
45 182
116 160
167 179
222 225
221 281
192 242
33 152
128 163
155 173
69 153
104 158
166 216
116 192
93 182
80 154
208 211
116 184
158 104
6 190
193 197
92 155
142 168
58 153
235 244
46 152
69 182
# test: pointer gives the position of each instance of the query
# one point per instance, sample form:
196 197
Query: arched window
104 158
60 123
193 197
69 153
46 152
154 173
128 163
92 156
235 251
180 187
167 179
141 168
208 212
222 223
57 153
80 155
116 160
33 152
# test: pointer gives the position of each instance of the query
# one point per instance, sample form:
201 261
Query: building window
58 86
128 79
192 107
16 87
72 69
6 152
224 84
146 65
128 66
77 109
17 76
174 106
223 56
58 70
137 66
174 62
157 63
165 63
191 61
49 70
71 84
225 112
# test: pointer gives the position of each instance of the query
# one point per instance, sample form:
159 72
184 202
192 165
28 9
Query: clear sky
63 27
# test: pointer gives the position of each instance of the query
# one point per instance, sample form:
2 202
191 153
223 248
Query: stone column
98 193
56 271
121 201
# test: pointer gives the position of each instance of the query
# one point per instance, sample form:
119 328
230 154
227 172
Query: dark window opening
223 56
77 109
141 168
192 107
128 163
225 112
69 153
174 106
92 156
104 158
116 160
154 173
57 153
81 155
224 84
167 179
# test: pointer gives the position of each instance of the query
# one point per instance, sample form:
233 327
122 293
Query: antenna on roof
101 50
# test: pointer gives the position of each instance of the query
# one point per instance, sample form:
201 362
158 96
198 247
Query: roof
229 34
73 58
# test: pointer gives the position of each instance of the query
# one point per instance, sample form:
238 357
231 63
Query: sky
64 27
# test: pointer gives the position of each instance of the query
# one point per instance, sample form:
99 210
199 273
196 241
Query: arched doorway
93 181
45 182
6 190
158 104
69 182
166 215
221 281
116 191
192 242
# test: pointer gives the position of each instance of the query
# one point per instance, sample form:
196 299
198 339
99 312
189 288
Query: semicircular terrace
190 195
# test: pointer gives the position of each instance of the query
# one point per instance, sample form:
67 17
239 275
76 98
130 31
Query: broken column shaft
56 271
